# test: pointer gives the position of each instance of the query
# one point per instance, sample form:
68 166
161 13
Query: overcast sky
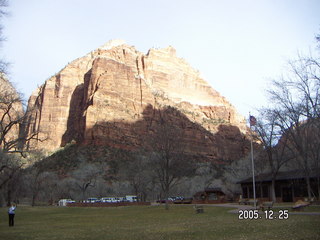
236 45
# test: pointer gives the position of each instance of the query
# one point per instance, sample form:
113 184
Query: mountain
116 95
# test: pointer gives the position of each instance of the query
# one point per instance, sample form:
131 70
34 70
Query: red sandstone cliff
115 94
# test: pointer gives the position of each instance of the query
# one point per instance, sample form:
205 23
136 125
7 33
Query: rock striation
115 95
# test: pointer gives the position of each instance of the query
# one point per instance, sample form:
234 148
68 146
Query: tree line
289 128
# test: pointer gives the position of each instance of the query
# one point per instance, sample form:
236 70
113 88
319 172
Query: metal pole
253 179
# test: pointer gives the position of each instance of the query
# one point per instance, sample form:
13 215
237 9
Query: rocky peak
112 44
101 97
162 52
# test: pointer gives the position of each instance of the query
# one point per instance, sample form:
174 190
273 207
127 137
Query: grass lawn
150 222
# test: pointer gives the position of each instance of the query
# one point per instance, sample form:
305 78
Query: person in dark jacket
11 213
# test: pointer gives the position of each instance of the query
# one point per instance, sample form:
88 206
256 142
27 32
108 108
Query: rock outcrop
115 95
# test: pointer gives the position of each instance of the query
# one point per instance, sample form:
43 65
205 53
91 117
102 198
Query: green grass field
150 222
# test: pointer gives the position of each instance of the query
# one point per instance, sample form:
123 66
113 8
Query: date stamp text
268 214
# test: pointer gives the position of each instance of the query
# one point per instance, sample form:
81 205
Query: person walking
11 213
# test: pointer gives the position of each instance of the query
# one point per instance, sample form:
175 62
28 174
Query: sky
238 46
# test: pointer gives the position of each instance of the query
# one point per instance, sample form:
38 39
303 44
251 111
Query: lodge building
290 186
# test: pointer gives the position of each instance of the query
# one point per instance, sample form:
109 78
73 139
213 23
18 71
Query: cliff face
115 95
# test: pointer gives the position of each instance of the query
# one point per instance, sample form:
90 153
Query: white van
131 198
63 202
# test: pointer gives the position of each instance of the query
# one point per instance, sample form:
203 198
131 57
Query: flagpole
252 164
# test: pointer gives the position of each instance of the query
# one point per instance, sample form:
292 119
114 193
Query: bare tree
10 166
275 150
49 193
138 172
296 99
65 188
12 117
85 177
35 183
12 114
168 158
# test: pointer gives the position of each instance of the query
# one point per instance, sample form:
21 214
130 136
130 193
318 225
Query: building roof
285 175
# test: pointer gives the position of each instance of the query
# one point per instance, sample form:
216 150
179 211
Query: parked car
110 199
130 198
92 200
171 199
177 198
106 200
